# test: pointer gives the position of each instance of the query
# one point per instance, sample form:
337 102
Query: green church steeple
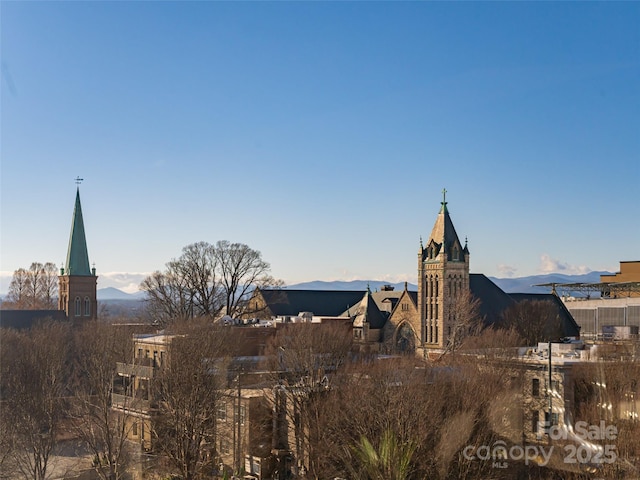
77 255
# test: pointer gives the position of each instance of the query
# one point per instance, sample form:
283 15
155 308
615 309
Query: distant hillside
509 285
352 285
527 284
111 293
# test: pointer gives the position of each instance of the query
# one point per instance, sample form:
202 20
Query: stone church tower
77 283
443 274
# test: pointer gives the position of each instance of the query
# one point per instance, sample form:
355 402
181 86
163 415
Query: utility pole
239 420
550 393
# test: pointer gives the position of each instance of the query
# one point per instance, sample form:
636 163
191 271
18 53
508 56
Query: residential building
133 394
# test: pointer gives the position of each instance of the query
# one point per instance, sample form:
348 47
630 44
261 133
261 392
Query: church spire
77 255
443 233
77 283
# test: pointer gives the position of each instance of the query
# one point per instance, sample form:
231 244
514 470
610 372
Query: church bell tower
443 275
77 282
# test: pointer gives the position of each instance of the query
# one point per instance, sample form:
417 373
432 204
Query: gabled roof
386 300
367 312
493 299
77 256
331 303
569 326
25 319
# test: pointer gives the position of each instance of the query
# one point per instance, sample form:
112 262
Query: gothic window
437 286
405 339
87 307
436 340
78 307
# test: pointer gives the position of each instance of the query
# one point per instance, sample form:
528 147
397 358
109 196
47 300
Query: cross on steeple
444 196
78 180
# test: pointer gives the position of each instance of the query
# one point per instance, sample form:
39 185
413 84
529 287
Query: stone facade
443 275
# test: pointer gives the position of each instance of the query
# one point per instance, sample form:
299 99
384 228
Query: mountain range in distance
509 285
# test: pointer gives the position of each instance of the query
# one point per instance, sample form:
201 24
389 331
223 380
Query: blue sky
321 133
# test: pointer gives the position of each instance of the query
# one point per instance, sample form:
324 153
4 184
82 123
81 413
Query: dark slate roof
331 303
24 319
569 326
493 299
367 311
77 256
414 297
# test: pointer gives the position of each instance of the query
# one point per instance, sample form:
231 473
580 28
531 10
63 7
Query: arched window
87 307
405 339
78 307
437 286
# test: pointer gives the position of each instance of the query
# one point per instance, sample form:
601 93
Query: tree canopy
34 288
206 281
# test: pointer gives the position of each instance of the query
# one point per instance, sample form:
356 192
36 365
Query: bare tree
305 358
465 319
494 342
189 387
166 295
96 424
34 382
33 289
48 291
370 408
241 270
206 280
35 273
534 320
19 288
437 408
198 263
